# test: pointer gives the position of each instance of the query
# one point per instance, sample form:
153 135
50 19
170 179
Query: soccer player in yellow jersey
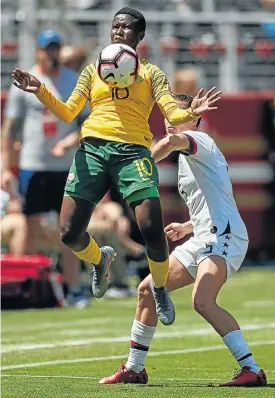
114 149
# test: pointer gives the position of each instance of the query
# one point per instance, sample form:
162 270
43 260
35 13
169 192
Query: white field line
43 335
74 333
117 357
54 325
46 335
77 322
259 304
58 333
123 339
109 321
42 328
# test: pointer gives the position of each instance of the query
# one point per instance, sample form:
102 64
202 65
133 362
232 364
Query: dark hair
141 23
188 100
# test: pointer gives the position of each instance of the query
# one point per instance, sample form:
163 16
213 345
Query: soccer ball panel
127 63
118 65
110 52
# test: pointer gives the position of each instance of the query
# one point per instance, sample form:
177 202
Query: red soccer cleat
246 378
123 375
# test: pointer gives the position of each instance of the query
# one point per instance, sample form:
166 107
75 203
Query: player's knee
202 305
154 237
69 237
144 292
146 227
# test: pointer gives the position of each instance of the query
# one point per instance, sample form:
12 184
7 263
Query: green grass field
63 353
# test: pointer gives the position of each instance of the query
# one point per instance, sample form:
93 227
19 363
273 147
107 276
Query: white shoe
164 305
100 281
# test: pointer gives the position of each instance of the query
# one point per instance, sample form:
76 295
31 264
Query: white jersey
205 186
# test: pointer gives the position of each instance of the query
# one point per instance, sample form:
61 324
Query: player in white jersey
214 252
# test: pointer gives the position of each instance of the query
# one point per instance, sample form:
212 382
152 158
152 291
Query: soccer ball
118 65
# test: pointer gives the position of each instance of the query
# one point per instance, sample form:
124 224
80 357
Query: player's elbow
173 121
168 146
68 118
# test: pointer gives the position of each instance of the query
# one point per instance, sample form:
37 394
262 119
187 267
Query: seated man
12 224
212 255
108 224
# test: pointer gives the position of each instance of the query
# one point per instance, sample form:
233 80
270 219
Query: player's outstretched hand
205 102
175 231
58 151
25 81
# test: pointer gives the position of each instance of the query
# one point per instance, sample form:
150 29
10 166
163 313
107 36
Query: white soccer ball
118 65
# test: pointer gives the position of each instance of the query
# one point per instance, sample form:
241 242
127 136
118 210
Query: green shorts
99 164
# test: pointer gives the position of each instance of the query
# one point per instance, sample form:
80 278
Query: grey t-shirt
41 130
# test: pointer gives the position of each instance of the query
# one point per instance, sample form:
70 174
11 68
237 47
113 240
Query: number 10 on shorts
142 169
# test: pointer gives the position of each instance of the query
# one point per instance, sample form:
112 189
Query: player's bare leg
70 265
32 234
12 232
149 218
71 270
74 219
211 276
178 278
144 326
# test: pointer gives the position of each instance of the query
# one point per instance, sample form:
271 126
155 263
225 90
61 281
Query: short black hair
141 23
188 100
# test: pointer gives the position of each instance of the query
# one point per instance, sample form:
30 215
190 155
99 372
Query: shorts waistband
91 139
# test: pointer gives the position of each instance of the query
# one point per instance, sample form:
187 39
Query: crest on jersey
71 177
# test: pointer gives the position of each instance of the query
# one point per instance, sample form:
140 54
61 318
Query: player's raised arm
64 111
168 144
176 116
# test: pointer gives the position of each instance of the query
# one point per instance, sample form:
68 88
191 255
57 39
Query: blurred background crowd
200 43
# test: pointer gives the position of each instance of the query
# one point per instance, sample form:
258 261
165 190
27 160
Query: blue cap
48 36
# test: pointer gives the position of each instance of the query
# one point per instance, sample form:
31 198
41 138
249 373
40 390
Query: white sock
239 349
141 337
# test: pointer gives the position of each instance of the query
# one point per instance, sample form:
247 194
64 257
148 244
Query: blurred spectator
48 147
12 222
13 227
110 226
73 57
186 81
268 5
269 29
138 259
189 81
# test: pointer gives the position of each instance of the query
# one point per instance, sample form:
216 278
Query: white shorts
192 252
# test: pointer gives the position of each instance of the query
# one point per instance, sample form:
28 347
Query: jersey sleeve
67 111
163 96
200 145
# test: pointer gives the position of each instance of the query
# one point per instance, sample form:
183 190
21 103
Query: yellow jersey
118 114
